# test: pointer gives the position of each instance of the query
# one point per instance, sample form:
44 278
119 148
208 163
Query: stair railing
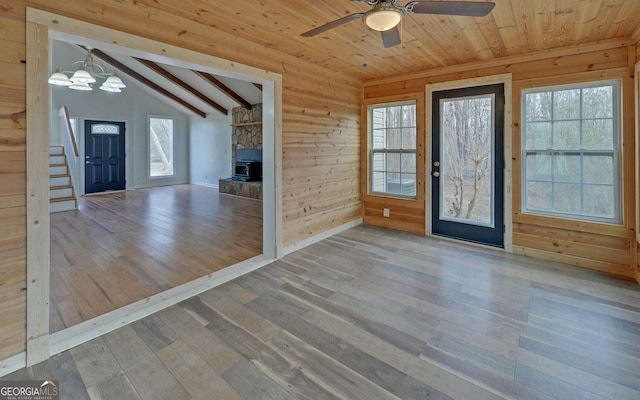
68 139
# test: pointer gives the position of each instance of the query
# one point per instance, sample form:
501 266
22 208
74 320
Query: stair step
60 199
55 160
58 170
59 180
66 204
55 187
56 150
60 193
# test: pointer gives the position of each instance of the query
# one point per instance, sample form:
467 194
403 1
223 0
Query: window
105 129
393 149
571 151
161 146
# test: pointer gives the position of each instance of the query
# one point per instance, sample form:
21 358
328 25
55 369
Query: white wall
210 149
132 106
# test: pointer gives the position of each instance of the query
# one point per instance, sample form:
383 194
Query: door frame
506 80
81 145
40 27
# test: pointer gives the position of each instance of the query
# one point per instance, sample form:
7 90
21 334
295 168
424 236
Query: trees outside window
393 149
467 154
161 131
571 151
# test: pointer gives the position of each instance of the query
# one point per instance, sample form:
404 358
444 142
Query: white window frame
583 153
149 143
373 151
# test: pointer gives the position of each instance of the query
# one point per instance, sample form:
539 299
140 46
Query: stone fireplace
246 153
246 130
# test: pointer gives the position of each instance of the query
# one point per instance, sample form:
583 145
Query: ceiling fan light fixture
383 20
385 16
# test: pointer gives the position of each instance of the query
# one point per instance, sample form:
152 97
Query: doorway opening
104 156
468 164
51 26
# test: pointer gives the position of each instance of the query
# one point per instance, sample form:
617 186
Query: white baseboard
160 183
13 363
93 328
314 239
211 185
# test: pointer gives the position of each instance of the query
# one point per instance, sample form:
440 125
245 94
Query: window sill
572 224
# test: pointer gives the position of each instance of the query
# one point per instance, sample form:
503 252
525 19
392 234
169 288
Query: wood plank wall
13 178
637 99
610 248
321 133
405 214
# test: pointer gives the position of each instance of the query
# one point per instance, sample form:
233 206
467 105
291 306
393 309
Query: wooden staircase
61 194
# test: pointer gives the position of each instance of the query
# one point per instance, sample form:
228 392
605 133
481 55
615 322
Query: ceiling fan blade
332 25
391 37
463 8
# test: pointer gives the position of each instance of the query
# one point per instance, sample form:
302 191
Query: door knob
435 173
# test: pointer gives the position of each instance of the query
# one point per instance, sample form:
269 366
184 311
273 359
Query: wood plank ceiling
514 27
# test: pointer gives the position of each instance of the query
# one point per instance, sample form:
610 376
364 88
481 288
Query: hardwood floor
123 247
376 314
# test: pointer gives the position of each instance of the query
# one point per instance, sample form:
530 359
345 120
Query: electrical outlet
385 212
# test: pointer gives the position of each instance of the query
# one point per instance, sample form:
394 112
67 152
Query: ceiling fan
385 15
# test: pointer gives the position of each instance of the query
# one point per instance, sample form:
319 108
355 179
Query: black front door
468 164
104 146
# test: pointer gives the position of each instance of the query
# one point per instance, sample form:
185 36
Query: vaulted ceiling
194 92
514 27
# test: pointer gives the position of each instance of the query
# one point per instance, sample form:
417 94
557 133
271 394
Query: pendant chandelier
85 76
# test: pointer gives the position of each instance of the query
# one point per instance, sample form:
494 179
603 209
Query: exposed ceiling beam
169 76
133 74
214 81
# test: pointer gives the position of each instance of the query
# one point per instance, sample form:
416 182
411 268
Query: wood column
37 194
